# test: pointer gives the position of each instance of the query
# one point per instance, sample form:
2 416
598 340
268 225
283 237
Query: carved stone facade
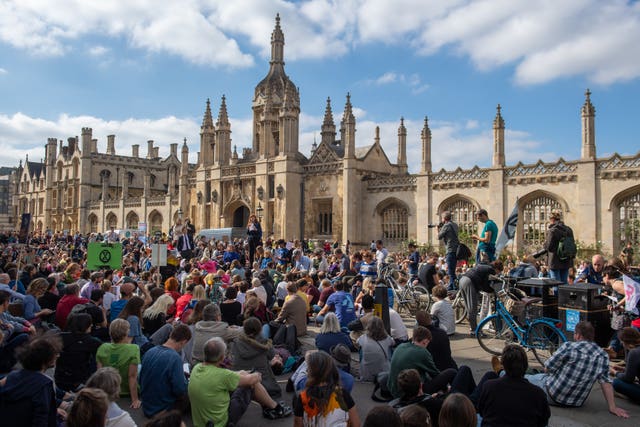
341 192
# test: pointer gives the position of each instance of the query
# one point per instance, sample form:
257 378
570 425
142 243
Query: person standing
254 236
448 232
486 251
477 279
558 268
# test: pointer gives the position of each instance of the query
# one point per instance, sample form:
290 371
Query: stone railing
392 183
459 174
323 168
156 201
560 167
619 167
238 170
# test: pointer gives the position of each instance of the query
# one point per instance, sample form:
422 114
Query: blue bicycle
542 335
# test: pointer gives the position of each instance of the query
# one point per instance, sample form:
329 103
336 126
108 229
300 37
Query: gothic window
272 186
629 221
395 223
276 142
463 213
155 221
132 221
112 221
54 198
153 180
93 223
207 191
324 223
535 219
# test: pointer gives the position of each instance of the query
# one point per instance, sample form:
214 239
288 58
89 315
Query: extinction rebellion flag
508 231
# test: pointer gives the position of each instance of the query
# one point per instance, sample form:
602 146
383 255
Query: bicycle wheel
544 339
493 334
420 299
459 309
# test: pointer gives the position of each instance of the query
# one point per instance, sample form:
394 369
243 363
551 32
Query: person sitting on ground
231 308
382 416
27 395
222 396
341 303
210 326
573 369
89 408
77 359
439 346
411 395
442 310
166 419
70 299
375 350
132 313
323 401
341 358
51 297
14 332
163 385
124 357
457 411
108 380
251 351
625 381
156 316
183 301
126 293
294 311
511 400
331 334
32 311
358 326
415 416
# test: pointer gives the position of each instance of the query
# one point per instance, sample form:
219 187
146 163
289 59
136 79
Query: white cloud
3 71
98 51
542 39
412 81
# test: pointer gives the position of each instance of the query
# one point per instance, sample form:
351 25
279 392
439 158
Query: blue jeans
631 390
451 260
559 275
538 380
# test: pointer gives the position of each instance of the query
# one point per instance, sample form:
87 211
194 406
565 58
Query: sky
143 69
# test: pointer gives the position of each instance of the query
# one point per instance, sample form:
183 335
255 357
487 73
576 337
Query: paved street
466 351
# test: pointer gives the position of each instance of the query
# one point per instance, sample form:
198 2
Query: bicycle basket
514 306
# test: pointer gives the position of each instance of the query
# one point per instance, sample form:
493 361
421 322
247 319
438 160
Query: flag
508 231
632 294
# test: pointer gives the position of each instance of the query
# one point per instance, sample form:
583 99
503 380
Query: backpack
380 384
463 253
567 248
80 308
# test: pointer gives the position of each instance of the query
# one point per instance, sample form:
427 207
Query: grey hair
108 380
211 312
214 350
330 324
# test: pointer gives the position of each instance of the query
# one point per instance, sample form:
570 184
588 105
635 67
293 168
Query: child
442 310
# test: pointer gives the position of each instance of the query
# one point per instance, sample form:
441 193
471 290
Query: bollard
381 305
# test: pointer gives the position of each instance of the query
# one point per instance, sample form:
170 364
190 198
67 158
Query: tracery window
463 213
629 221
535 219
395 223
324 223
93 223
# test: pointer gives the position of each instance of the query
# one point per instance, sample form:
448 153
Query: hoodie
249 353
30 394
206 329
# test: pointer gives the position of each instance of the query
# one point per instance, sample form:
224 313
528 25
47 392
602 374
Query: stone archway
240 216
155 221
93 223
132 221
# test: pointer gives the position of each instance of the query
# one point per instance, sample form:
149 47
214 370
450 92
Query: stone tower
498 139
425 165
588 113
276 106
402 147
207 137
223 135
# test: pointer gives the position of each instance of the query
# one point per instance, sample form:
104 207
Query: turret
328 130
184 159
86 141
588 113
402 146
111 144
498 139
425 136
207 136
223 134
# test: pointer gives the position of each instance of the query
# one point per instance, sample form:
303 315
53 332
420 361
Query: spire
426 146
498 139
185 149
402 146
277 44
235 152
588 113
207 120
223 117
328 114
348 109
328 130
314 146
376 138
348 130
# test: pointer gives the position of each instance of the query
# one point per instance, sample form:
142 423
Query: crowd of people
211 330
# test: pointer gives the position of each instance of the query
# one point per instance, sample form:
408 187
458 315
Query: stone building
342 191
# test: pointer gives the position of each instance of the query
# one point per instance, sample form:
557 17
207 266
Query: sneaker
280 411
496 365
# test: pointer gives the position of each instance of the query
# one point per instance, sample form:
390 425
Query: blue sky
142 69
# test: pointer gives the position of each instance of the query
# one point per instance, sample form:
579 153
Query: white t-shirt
381 256
398 330
281 290
444 312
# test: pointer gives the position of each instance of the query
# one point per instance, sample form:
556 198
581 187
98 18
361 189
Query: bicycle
410 297
542 335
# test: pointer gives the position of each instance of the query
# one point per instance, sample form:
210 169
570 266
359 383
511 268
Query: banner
508 231
632 294
104 255
159 255
24 228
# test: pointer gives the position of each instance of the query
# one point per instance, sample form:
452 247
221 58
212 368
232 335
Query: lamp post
259 211
179 212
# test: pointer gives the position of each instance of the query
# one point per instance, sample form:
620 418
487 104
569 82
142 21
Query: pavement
466 351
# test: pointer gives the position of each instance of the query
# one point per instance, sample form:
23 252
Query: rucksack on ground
463 253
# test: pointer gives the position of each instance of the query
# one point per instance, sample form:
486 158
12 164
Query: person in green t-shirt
123 356
222 396
486 251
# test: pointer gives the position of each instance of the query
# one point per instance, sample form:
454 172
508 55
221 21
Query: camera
435 225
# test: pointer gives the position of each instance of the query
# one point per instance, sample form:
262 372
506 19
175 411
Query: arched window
463 213
535 219
395 223
93 223
155 221
112 220
629 220
132 221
